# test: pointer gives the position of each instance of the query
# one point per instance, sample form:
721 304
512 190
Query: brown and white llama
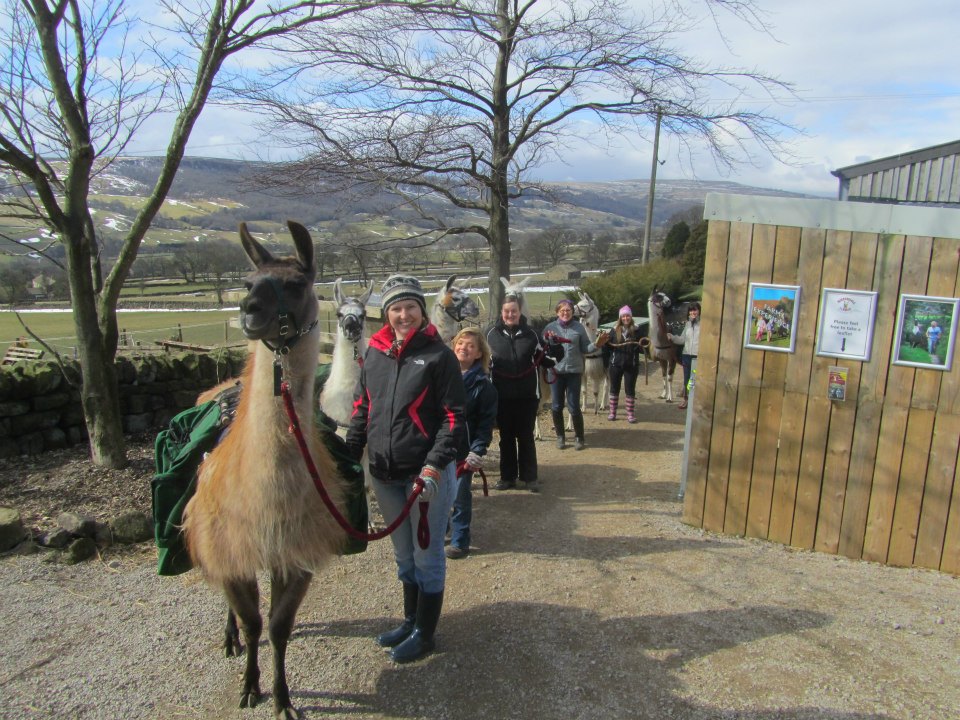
256 508
451 308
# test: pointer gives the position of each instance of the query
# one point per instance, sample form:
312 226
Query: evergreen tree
676 240
695 255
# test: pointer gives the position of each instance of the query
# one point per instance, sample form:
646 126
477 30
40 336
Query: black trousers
518 450
628 375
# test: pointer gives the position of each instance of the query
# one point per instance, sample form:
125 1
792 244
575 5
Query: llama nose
249 305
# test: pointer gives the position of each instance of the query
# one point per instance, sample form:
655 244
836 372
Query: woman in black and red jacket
517 353
408 412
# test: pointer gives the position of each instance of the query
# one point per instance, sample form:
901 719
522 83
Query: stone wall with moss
40 406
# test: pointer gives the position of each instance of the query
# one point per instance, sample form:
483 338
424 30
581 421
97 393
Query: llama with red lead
256 508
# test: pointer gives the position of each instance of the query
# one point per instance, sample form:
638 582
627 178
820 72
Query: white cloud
874 78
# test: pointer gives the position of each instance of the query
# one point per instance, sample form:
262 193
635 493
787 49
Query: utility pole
653 186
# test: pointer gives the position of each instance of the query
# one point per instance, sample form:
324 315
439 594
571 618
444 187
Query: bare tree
598 249
15 277
222 260
472 252
77 86
553 244
454 106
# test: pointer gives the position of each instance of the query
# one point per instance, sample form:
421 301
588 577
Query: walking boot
578 431
392 638
558 428
420 641
631 406
614 401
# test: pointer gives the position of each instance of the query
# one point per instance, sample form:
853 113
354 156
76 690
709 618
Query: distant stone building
563 271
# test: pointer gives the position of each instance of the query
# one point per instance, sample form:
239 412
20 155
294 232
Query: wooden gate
771 456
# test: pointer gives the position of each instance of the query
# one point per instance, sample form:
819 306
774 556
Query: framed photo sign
772 317
926 331
846 325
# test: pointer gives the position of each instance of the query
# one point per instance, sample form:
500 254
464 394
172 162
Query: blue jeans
567 384
425 568
462 512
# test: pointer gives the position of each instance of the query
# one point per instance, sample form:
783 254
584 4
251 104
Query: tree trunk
99 393
499 250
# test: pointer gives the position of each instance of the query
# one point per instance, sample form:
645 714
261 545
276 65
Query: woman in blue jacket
473 353
408 412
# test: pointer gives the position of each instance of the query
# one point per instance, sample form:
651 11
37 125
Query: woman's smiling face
404 316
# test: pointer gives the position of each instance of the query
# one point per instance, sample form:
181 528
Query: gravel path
590 600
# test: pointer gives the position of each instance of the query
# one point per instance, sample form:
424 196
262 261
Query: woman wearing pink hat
624 349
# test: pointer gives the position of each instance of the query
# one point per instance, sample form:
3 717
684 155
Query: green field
144 327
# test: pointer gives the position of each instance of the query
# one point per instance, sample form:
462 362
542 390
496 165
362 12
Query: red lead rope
423 528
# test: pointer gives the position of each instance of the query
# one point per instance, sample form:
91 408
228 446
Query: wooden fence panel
698 454
920 427
728 370
893 424
942 469
873 384
786 259
796 388
748 398
876 476
835 258
843 414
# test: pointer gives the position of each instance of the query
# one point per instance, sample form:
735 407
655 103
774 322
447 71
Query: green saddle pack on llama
179 450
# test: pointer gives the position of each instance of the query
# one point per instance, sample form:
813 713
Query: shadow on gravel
526 660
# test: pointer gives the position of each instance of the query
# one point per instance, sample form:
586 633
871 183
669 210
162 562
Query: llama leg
286 594
231 636
668 387
244 599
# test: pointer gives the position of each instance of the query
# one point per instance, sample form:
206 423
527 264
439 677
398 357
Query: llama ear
338 292
303 243
523 283
366 296
257 253
450 281
504 282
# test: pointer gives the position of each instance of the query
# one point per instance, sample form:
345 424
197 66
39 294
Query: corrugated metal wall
872 477
930 176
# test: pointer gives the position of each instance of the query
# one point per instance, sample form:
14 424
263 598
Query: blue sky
873 78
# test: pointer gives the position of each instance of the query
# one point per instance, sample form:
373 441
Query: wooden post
648 223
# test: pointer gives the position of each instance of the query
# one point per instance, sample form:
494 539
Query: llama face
351 312
659 299
586 310
280 303
456 303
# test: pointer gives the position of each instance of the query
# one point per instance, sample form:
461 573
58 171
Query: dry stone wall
40 405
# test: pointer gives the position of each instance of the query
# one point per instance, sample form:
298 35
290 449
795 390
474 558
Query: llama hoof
250 698
232 647
287 713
